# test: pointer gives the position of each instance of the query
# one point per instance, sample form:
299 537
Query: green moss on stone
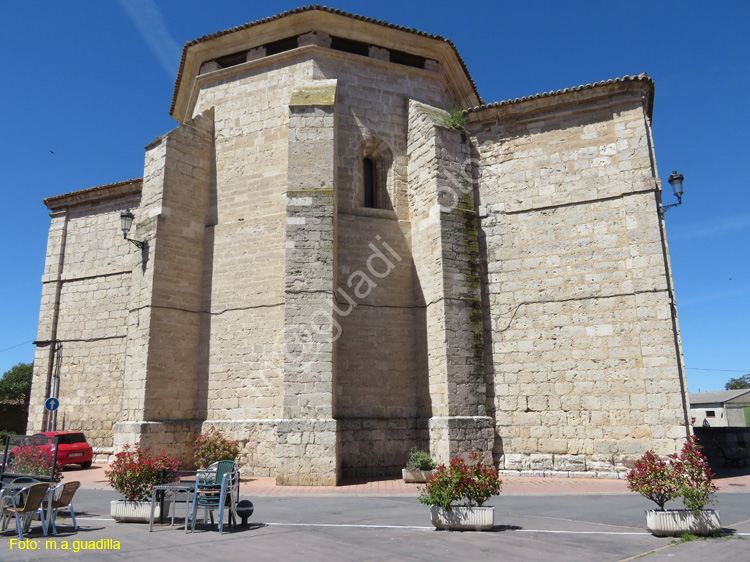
466 213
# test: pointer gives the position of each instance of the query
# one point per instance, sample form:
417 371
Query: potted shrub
211 446
418 467
472 485
133 474
685 476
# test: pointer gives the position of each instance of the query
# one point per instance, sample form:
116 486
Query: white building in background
726 408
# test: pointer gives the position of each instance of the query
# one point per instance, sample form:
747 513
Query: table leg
153 508
50 514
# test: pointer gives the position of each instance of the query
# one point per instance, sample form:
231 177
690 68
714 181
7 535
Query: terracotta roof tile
311 8
90 190
643 77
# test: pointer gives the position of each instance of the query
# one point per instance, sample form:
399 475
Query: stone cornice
302 54
322 20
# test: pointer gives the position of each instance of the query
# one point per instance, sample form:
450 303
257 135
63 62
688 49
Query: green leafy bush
654 479
685 476
134 472
696 479
211 446
469 482
419 460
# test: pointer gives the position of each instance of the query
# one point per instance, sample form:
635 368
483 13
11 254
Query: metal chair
24 503
215 494
65 499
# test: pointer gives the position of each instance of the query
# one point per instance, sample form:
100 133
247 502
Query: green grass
456 118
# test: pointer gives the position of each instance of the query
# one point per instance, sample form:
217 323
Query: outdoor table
183 486
163 489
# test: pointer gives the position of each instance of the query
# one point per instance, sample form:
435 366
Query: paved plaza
535 519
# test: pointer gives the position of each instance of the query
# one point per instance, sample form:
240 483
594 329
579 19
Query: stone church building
336 264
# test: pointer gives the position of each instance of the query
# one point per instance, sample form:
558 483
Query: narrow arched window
372 187
369 177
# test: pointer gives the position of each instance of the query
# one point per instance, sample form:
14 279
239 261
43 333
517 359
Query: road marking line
406 527
579 532
415 528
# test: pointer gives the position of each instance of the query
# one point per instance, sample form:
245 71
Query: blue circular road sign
51 404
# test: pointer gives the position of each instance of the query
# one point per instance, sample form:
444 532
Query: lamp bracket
136 243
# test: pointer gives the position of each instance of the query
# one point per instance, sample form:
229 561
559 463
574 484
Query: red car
72 447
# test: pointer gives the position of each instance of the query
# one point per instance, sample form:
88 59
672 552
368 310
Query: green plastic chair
216 472
216 493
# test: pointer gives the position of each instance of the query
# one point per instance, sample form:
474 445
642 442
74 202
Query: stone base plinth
452 436
175 437
307 453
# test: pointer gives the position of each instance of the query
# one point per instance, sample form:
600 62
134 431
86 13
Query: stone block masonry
308 439
331 275
577 288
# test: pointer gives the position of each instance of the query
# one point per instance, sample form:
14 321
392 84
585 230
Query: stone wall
381 379
582 342
718 441
307 452
445 251
164 319
87 281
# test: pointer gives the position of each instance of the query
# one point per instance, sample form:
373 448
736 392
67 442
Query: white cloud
709 297
713 229
146 16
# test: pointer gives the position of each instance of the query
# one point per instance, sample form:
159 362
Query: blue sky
91 82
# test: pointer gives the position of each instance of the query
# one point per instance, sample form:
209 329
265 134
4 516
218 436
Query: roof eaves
643 77
50 202
719 396
312 8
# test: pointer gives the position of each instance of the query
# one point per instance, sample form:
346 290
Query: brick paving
732 481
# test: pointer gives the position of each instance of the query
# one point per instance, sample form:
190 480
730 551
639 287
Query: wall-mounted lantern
675 180
126 222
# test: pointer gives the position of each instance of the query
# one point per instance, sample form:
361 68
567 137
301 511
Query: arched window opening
369 177
376 161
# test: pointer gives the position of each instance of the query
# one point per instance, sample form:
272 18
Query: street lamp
126 223
675 180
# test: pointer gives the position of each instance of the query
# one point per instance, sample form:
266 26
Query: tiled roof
90 190
311 8
716 397
643 77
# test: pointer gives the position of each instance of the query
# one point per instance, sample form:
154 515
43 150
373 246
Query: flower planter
675 522
463 518
416 476
136 512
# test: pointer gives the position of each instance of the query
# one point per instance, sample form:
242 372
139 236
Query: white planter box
463 518
416 476
675 522
136 512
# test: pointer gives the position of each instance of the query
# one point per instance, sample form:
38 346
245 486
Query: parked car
72 447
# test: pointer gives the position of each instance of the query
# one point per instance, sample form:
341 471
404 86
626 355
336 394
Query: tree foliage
738 383
16 383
